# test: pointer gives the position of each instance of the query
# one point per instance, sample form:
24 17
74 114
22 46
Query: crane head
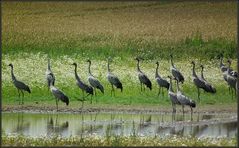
201 66
74 64
192 103
229 61
157 63
193 62
10 65
137 58
88 61
171 55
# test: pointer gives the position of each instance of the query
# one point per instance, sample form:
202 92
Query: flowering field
117 141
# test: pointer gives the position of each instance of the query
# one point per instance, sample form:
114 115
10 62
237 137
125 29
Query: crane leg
91 99
183 109
83 95
112 90
144 87
22 97
235 92
159 91
191 113
19 95
95 91
141 86
162 92
56 104
198 94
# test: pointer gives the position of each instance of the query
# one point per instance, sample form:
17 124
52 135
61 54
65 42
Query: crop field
68 32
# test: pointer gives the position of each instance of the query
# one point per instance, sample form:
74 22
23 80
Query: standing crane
184 100
161 82
198 82
84 87
172 95
144 80
49 75
209 86
19 85
59 95
231 80
113 79
176 73
93 81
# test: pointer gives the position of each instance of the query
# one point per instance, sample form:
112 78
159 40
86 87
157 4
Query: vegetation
116 141
120 29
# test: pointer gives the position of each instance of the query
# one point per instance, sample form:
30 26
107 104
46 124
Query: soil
37 108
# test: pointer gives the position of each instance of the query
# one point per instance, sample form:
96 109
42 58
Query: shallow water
103 124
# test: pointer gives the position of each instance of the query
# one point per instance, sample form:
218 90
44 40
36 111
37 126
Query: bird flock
176 97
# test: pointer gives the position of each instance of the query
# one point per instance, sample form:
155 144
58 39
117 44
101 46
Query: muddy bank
118 109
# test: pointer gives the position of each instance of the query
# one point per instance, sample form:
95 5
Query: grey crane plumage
113 79
209 87
175 72
84 87
59 95
93 81
231 80
50 77
161 82
172 95
224 69
184 100
144 80
19 85
198 82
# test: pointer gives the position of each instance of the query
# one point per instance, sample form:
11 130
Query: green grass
126 71
116 141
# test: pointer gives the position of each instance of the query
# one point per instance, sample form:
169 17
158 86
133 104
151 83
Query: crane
113 79
19 85
142 77
161 82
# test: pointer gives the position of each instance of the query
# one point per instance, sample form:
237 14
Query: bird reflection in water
22 126
56 128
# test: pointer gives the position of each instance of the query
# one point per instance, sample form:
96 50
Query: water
103 124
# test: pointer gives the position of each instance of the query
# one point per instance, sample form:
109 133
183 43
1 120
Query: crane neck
221 64
89 68
48 65
76 75
108 66
202 73
194 73
138 66
170 85
171 59
156 72
229 66
12 74
178 89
